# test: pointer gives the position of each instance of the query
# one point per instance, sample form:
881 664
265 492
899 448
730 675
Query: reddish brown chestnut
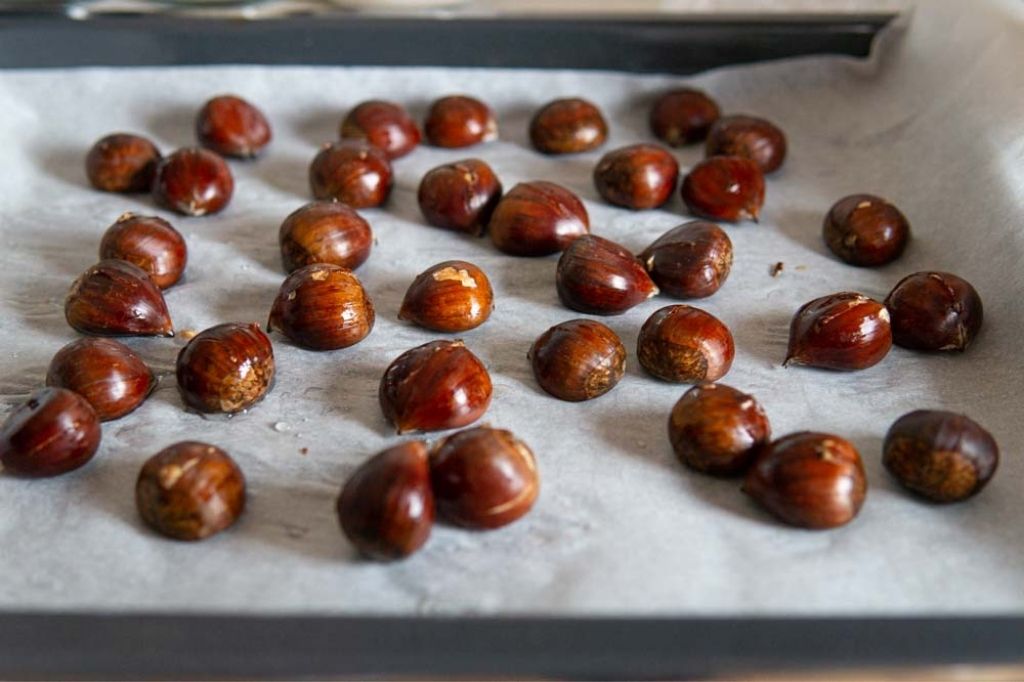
386 508
122 163
322 307
750 137
537 219
53 432
117 298
865 230
598 276
106 373
483 478
231 126
943 456
690 261
684 344
190 491
439 385
385 125
453 296
638 177
460 196
460 121
934 311
578 360
568 126
724 188
844 331
226 368
717 430
193 182
683 116
353 173
324 232
149 242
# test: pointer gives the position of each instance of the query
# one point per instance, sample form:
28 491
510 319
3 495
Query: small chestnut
568 126
537 219
684 344
460 121
231 126
149 242
598 276
691 260
324 232
322 307
453 296
53 432
193 182
190 491
865 230
122 163
105 372
934 311
117 298
683 116
459 196
750 137
578 360
638 177
716 429
385 125
353 173
226 368
724 188
844 331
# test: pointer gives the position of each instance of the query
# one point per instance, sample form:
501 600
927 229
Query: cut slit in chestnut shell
105 372
226 368
55 431
117 298
149 242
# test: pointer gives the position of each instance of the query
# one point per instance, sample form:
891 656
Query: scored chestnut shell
460 121
459 196
117 298
684 344
324 232
537 219
683 116
691 260
568 126
439 385
322 307
724 188
844 331
637 177
353 173
716 429
934 311
598 276
865 230
105 372
385 125
483 478
386 508
190 491
193 182
231 126
226 368
750 137
943 456
122 162
53 432
578 360
150 242
453 296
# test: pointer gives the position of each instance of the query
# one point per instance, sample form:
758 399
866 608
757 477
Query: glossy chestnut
53 432
385 125
322 307
117 298
122 162
716 429
865 230
193 182
637 177
598 276
578 360
324 232
683 116
844 331
750 137
226 368
459 196
726 188
231 126
353 173
684 344
537 219
105 372
150 242
453 296
934 311
692 260
568 126
460 121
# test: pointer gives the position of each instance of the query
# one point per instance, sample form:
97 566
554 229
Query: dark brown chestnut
807 479
691 260
322 307
353 173
122 163
117 298
483 478
459 196
149 242
683 116
578 360
637 177
537 219
386 508
865 230
53 432
597 276
439 385
460 121
844 331
231 126
385 125
105 372
226 368
453 296
943 456
684 344
568 126
193 182
750 137
934 311
324 232
724 188
190 491
716 429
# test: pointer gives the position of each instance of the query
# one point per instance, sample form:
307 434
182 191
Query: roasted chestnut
724 188
53 432
683 116
578 360
866 230
689 261
149 242
459 196
568 126
453 296
750 137
322 307
717 430
460 121
537 219
353 173
598 276
105 372
844 331
122 163
226 368
231 126
639 176
684 344
934 311
324 232
385 125
193 182
117 298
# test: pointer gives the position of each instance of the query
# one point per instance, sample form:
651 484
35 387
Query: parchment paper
933 124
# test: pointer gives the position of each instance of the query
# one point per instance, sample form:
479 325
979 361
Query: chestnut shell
459 196
684 344
53 432
726 188
537 219
598 276
750 137
844 331
353 173
122 162
459 121
578 360
453 296
105 372
226 368
568 126
865 230
385 125
638 177
683 116
324 232
193 182
231 126
117 298
691 260
716 429
150 242
322 307
934 311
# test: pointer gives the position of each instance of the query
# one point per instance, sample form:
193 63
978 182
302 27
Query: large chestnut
724 188
460 121
453 296
122 162
105 372
934 311
568 126
149 242
385 125
193 182
537 219
844 331
578 360
689 261
866 230
459 196
683 116
353 173
638 177
53 432
117 298
684 344
322 307
226 368
324 232
750 137
717 429
598 276
231 126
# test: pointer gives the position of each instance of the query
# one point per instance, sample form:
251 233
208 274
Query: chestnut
324 232
691 260
385 125
637 177
716 429
750 137
483 478
598 276
459 121
808 479
726 188
439 385
322 307
190 491
453 296
537 219
578 360
568 126
193 182
942 456
53 432
117 298
865 230
934 311
844 331
684 344
231 126
149 242
683 116
122 162
459 196
105 372
226 368
386 508
353 173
